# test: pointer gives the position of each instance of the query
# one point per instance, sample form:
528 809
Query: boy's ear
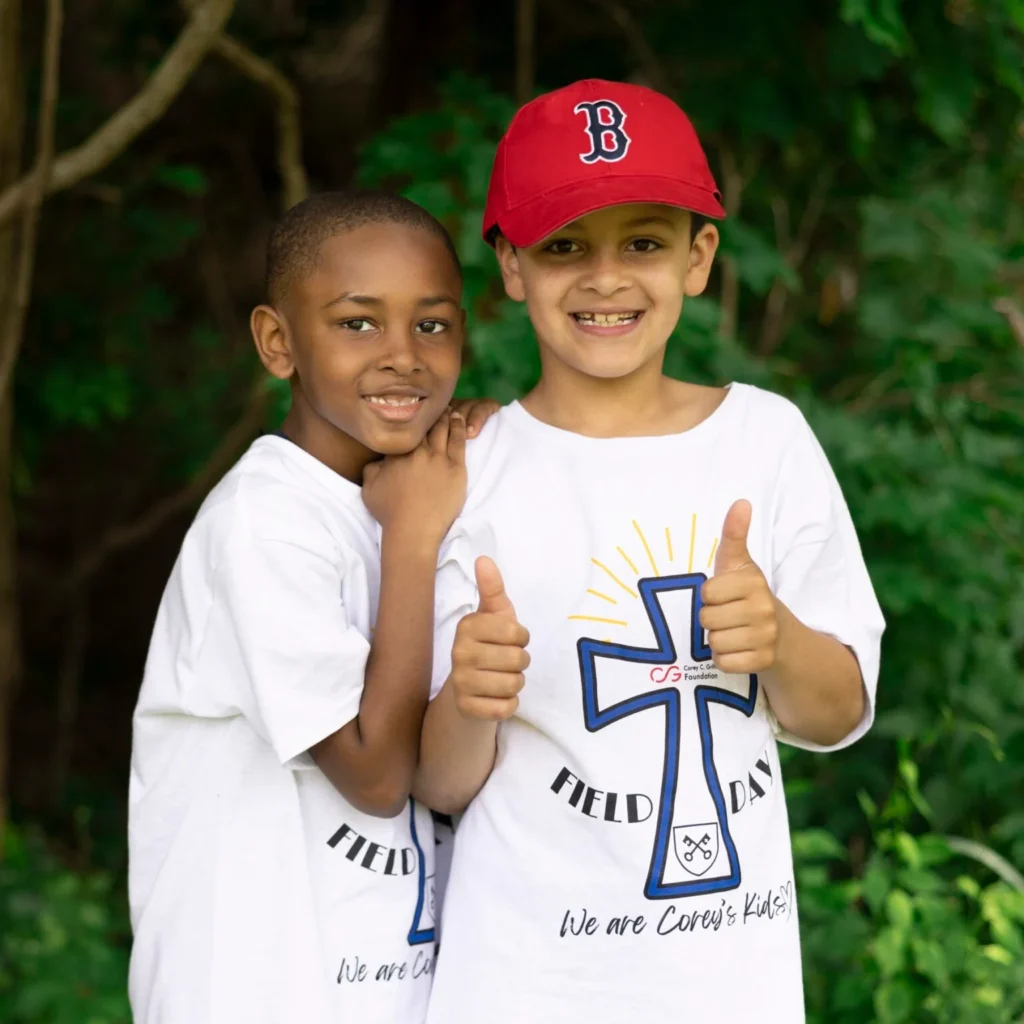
702 256
511 275
273 341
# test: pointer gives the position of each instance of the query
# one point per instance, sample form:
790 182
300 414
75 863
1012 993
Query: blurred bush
63 939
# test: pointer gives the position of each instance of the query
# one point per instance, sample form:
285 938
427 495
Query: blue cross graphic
420 931
596 717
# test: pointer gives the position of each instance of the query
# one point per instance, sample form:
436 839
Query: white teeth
392 399
606 319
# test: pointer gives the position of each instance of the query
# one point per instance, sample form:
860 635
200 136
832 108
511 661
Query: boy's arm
371 760
813 682
815 687
459 738
456 755
813 636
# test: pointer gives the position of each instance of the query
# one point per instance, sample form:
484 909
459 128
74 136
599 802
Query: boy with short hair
680 583
279 871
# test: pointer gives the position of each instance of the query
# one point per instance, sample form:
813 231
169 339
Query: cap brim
532 222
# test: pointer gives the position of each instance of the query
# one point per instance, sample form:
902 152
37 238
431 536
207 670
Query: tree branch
795 254
295 184
14 329
113 137
873 398
363 36
648 60
185 497
526 21
69 685
1014 317
249 421
732 198
352 58
295 188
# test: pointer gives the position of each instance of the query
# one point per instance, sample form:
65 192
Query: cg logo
608 140
665 674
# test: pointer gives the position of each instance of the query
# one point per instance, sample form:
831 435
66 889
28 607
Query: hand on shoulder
476 411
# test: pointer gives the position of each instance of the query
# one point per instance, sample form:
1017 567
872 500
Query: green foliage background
893 131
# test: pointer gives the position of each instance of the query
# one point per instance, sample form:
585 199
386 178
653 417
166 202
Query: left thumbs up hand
739 610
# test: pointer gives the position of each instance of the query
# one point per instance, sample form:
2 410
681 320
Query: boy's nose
605 274
401 352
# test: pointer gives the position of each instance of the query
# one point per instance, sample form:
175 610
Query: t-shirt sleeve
304 662
818 568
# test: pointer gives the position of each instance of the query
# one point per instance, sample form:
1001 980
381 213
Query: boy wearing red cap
680 585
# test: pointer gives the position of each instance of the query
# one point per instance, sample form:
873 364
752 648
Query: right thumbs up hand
489 654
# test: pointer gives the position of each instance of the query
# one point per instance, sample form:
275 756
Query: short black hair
295 241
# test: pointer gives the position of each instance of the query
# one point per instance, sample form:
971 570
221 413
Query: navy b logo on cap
608 140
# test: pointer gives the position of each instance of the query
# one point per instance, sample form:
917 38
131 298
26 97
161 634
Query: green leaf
900 910
999 955
894 1002
876 885
890 948
758 262
817 844
907 848
880 20
185 178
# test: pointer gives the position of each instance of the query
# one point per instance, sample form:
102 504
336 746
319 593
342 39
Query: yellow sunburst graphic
615 581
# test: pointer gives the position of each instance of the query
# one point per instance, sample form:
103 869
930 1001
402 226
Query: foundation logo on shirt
693 850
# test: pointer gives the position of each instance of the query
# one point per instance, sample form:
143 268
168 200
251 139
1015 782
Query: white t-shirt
258 894
629 857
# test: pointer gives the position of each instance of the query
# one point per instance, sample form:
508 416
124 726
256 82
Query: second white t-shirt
259 895
629 857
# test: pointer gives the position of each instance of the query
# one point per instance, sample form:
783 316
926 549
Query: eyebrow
371 300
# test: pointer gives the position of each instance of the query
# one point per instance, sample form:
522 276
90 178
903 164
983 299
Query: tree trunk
526 30
69 685
11 126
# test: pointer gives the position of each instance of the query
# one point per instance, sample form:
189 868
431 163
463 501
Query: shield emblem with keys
696 846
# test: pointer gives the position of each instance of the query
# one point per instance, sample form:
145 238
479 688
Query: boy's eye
432 326
643 245
358 323
562 247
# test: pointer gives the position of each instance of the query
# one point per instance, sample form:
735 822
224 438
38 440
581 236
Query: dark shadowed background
871 155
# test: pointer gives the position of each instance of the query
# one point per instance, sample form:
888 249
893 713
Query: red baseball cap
590 145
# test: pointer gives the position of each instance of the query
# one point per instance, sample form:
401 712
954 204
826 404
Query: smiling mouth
394 400
395 408
607 319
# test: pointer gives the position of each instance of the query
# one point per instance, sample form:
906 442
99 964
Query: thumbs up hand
489 654
739 610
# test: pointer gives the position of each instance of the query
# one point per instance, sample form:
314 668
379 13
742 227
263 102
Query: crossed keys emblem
696 846
701 847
